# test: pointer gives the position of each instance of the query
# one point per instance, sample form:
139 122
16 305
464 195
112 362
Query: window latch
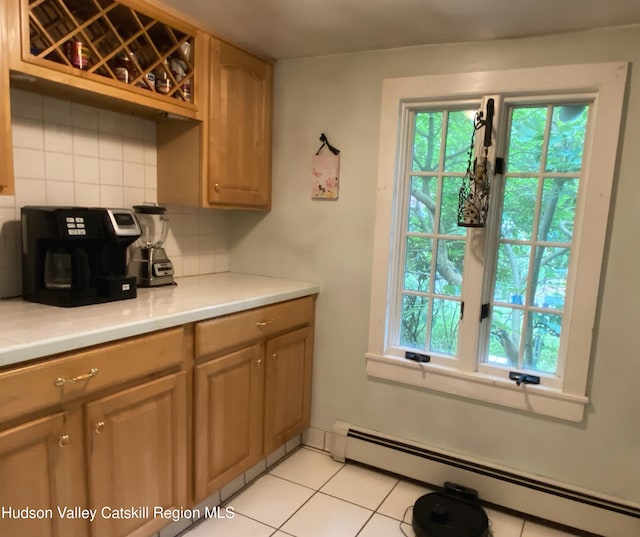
417 357
523 378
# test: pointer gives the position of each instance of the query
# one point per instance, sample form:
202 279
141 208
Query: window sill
479 386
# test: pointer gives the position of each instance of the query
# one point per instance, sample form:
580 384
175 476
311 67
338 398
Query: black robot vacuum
453 512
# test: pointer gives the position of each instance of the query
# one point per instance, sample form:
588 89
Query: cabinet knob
274 356
63 441
259 362
100 427
216 187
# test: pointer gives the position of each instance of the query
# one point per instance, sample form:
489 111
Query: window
518 296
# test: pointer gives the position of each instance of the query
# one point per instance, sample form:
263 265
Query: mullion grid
435 236
528 308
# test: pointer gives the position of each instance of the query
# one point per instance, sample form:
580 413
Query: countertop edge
19 353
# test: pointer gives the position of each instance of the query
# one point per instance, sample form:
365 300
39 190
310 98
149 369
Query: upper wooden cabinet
6 147
225 161
240 129
124 49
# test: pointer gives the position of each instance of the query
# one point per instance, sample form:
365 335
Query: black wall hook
325 141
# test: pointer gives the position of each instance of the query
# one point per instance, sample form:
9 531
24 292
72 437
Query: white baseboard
532 495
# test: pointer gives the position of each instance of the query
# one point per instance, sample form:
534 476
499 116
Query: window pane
414 321
504 339
459 131
422 204
511 273
417 268
519 208
536 235
449 207
526 139
566 140
449 263
444 326
541 348
427 141
558 210
550 282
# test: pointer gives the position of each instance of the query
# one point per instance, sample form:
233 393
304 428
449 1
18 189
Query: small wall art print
325 171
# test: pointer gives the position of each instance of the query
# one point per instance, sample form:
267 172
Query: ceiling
282 29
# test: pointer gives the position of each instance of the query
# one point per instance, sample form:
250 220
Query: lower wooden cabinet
288 387
137 456
104 432
38 462
108 431
251 400
229 396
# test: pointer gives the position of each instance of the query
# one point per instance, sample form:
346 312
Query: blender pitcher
149 262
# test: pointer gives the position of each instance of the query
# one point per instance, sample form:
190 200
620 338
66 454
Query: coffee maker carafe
74 256
149 262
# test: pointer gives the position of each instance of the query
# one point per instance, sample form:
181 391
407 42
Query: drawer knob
262 324
63 441
100 427
61 381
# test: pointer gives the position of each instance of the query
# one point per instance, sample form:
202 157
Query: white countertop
31 330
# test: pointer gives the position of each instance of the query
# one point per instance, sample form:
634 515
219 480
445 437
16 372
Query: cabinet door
38 472
6 148
288 386
228 424
137 456
240 129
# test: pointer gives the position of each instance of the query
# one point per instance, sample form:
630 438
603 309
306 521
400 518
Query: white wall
331 242
66 153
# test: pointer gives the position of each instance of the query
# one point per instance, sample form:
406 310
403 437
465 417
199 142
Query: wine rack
112 40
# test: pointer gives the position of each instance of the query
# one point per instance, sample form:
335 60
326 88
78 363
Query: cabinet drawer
239 328
30 388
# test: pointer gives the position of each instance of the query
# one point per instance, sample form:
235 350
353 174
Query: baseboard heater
532 495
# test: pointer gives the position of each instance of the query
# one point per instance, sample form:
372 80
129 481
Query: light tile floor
310 495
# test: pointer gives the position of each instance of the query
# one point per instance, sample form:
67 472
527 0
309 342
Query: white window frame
603 84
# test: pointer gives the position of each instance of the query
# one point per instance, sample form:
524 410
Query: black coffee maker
74 256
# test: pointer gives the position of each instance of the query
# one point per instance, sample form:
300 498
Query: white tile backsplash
67 153
84 117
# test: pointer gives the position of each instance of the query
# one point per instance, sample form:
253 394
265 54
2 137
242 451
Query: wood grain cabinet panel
38 462
137 454
250 401
288 386
229 394
240 129
81 373
6 147
252 325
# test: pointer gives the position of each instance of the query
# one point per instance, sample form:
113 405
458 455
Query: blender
149 262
